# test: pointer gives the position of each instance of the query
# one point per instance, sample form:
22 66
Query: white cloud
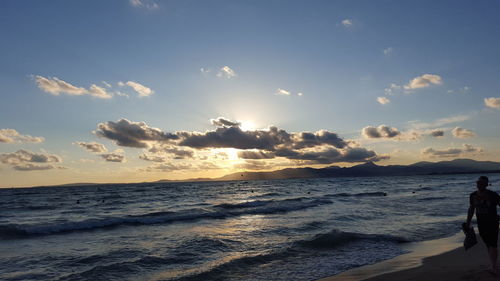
144 3
56 86
492 102
205 70
423 81
346 22
226 72
387 51
92 146
282 92
463 90
106 84
300 94
462 133
383 100
99 92
392 88
440 122
142 90
118 93
11 135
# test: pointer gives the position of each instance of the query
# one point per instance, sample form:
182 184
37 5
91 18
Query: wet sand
442 259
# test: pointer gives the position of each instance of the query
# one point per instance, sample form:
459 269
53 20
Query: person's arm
470 214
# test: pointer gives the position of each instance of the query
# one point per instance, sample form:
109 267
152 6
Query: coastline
441 259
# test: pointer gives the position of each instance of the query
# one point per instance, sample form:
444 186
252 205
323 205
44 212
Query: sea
294 229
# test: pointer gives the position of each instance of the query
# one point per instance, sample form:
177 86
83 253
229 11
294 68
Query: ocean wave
122 270
326 241
362 194
433 198
336 238
269 194
216 212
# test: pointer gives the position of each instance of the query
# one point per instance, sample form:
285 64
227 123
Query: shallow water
257 230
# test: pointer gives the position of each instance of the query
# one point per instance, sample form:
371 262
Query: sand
442 259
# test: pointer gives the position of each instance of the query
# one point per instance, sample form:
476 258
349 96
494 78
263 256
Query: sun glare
248 125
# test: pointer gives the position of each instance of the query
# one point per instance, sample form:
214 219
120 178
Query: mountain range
370 169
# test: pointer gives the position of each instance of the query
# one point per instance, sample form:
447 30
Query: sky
144 90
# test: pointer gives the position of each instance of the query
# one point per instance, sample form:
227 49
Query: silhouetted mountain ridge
457 166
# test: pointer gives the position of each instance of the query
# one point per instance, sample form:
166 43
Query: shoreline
441 259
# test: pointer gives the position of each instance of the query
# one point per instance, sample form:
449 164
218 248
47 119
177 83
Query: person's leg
493 254
488 231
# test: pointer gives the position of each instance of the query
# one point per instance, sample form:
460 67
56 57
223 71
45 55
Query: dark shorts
488 230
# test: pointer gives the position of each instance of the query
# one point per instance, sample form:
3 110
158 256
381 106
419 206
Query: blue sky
207 59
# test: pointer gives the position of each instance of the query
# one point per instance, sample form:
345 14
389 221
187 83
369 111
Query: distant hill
457 166
370 169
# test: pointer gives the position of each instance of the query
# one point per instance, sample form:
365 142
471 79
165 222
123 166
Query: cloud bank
11 136
321 147
24 160
451 152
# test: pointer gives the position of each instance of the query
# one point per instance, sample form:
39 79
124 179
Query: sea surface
298 229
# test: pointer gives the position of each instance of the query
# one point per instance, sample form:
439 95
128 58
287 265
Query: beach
421 264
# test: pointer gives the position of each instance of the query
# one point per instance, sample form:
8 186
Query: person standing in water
484 203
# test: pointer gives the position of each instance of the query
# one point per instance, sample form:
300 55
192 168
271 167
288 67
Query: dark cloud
330 155
360 154
234 137
452 152
325 156
132 134
381 131
321 147
306 139
92 146
113 157
24 160
223 122
437 133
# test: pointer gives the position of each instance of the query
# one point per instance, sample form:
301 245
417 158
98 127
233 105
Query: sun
248 126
